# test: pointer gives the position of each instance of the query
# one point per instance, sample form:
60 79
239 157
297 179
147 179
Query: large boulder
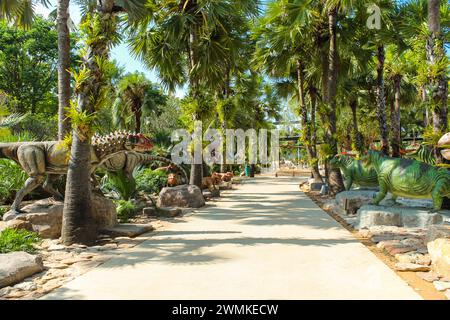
184 196
371 215
45 216
439 251
16 266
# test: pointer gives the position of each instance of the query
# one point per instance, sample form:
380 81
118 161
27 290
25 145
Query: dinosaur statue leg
438 195
32 161
50 188
348 183
31 184
382 193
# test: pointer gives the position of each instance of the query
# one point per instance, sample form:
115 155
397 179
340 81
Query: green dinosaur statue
423 154
355 171
45 161
409 178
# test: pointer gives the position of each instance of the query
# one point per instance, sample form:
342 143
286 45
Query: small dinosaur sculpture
355 171
45 161
409 178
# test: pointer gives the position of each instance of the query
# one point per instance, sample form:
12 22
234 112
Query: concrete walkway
266 240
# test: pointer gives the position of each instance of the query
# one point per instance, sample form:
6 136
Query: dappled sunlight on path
265 240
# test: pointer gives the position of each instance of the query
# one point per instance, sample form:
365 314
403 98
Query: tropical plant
18 240
125 210
151 181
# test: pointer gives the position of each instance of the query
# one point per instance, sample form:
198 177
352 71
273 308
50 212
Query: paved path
266 240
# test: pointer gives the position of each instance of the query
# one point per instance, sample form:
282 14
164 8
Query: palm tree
189 42
136 95
438 67
64 91
100 29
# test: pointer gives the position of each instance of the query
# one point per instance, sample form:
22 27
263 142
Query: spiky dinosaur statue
45 161
354 171
409 178
128 161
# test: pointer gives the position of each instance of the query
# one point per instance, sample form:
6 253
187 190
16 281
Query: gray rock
438 231
16 266
316 186
169 212
128 230
26 286
371 215
45 216
183 196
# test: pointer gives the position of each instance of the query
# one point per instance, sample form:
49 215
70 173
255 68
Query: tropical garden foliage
241 64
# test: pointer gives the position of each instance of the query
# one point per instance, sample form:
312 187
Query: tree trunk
315 166
306 130
426 117
335 180
356 134
395 119
196 176
381 102
63 67
438 85
78 226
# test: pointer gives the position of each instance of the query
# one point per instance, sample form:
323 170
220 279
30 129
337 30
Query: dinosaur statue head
340 160
138 142
121 141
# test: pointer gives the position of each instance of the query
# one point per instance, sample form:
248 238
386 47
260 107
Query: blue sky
119 53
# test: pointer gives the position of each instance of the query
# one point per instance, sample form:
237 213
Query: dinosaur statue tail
149 158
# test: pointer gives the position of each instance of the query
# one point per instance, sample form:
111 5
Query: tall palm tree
284 37
135 95
64 90
100 30
438 62
189 42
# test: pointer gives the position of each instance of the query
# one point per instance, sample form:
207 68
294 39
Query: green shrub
12 178
18 240
125 210
119 183
151 181
3 210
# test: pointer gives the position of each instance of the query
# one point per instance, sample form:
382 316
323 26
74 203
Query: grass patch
18 240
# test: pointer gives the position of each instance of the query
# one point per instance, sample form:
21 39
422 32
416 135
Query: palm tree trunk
196 175
63 67
439 85
335 180
426 117
306 130
78 225
356 134
395 119
381 101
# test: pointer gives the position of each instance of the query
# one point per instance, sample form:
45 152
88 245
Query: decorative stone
26 286
371 215
428 276
128 230
183 196
441 285
316 186
16 266
149 211
169 212
45 216
410 267
19 224
438 231
413 257
439 251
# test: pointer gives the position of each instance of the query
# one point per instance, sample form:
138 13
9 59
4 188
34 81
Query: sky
120 53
